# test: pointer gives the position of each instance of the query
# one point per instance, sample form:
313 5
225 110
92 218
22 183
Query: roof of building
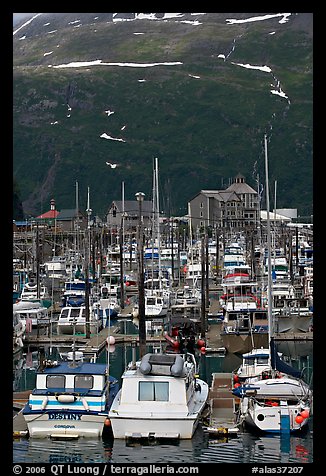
131 207
220 195
68 214
50 214
240 187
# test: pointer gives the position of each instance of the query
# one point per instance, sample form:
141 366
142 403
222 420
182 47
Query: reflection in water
246 448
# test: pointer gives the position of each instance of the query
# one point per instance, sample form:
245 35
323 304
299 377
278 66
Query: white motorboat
161 397
31 292
246 329
293 315
72 320
33 314
254 364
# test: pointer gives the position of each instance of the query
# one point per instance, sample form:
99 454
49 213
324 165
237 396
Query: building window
201 205
153 391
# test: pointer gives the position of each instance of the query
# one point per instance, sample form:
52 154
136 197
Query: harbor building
235 207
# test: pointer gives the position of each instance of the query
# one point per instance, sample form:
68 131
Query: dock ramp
222 406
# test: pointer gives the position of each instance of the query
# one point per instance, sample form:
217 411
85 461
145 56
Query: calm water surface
244 448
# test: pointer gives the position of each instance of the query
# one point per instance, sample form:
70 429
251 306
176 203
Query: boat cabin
159 384
254 364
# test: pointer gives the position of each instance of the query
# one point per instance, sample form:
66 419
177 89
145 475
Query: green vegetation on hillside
204 119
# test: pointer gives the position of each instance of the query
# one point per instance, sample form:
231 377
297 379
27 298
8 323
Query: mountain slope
198 91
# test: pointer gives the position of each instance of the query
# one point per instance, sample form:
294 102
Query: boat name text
64 416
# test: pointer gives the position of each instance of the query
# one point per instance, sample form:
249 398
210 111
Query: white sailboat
278 401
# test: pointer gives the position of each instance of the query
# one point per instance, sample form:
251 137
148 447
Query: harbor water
202 448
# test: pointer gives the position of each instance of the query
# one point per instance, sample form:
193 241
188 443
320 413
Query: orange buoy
236 385
304 413
203 349
200 342
299 419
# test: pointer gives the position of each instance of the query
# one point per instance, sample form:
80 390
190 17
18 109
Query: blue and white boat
70 400
74 292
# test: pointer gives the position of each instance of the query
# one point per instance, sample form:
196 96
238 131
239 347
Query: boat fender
44 403
85 404
19 342
177 369
145 367
65 398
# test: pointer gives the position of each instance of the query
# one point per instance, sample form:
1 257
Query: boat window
55 381
262 359
154 391
64 312
74 312
260 315
233 317
248 362
84 381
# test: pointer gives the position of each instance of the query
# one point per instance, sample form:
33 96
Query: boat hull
158 424
274 419
242 343
142 427
64 424
293 323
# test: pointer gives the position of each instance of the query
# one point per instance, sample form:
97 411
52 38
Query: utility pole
141 290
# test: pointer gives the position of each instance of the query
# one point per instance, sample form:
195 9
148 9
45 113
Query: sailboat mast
157 217
77 223
269 249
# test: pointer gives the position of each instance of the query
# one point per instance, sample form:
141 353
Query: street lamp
141 291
